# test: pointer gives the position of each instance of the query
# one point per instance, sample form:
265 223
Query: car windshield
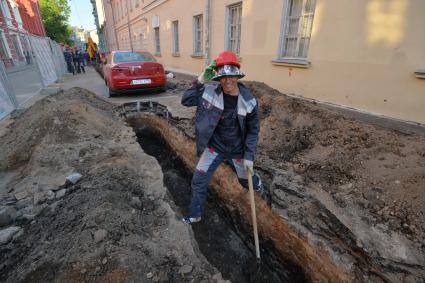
133 57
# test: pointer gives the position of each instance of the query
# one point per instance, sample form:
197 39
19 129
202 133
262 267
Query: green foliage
55 15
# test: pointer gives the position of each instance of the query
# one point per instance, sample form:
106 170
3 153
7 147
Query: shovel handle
253 213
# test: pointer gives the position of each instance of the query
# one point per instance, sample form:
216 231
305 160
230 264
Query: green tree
55 15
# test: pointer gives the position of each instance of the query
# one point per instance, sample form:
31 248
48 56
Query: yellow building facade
365 54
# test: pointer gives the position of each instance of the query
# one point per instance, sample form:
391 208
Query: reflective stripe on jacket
209 101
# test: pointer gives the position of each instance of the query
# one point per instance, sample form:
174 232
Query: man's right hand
208 73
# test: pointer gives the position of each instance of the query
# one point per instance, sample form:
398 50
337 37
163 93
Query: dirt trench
230 253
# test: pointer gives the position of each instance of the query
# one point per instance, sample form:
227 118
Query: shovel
254 214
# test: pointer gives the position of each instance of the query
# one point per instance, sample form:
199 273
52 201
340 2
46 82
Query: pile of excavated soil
380 170
113 225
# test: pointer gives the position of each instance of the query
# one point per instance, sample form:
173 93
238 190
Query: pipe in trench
316 262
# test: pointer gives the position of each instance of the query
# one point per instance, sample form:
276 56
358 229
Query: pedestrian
86 57
80 56
227 128
75 61
68 59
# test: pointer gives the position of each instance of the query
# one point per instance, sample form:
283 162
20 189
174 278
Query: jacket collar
243 90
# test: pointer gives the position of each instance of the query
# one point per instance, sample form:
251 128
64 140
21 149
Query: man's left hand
248 165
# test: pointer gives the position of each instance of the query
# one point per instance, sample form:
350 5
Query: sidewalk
25 82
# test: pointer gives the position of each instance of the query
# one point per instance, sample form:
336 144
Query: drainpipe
128 23
207 31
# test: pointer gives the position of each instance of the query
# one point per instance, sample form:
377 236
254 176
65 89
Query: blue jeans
207 164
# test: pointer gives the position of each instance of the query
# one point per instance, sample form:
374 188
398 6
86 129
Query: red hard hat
227 58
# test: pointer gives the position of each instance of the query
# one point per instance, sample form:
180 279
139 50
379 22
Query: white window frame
175 29
5 44
6 12
238 26
16 13
282 57
198 31
157 40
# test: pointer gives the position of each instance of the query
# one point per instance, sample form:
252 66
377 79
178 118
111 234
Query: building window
234 15
6 12
16 13
176 48
197 35
157 43
4 49
297 26
17 45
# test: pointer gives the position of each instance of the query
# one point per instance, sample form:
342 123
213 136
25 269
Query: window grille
297 28
176 47
234 28
197 34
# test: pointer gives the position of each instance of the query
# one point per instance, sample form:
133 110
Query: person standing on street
81 64
68 58
227 128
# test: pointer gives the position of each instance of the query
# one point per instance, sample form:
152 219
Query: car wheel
112 93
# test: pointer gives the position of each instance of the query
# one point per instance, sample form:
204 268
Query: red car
127 71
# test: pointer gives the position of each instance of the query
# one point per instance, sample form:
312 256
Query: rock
149 275
50 195
60 193
185 269
21 195
104 260
135 202
39 197
8 201
7 215
100 235
74 178
7 234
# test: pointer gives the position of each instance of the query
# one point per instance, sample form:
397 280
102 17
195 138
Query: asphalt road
93 82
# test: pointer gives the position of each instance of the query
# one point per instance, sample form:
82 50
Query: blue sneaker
190 220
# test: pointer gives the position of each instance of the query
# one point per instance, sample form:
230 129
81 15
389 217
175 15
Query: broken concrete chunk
21 195
7 234
185 269
60 193
7 215
74 178
100 235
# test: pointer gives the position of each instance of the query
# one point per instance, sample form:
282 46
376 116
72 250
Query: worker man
227 127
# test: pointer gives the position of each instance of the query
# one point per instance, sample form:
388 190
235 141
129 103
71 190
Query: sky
81 14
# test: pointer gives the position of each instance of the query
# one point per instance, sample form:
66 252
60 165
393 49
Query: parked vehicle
130 72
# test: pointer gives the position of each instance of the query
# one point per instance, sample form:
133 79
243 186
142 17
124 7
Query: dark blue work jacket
209 101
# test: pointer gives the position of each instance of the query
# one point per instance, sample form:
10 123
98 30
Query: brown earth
351 186
344 186
114 225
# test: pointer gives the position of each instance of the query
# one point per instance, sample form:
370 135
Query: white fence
49 61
